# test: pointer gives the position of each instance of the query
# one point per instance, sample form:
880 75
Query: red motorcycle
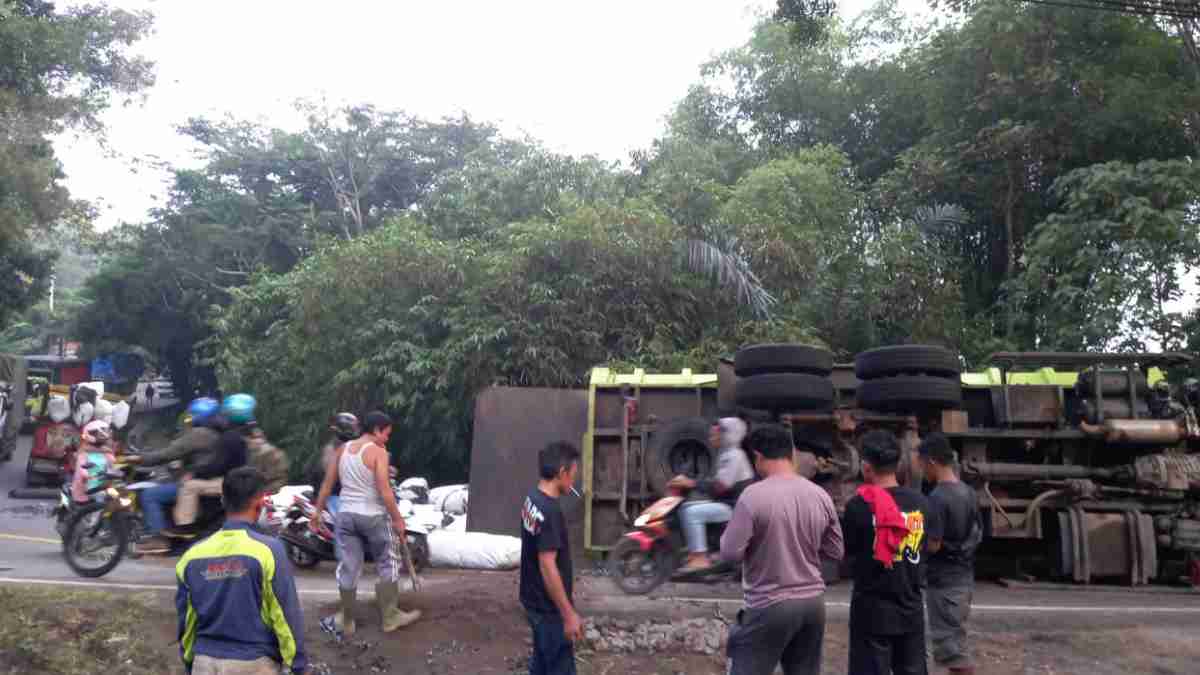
648 556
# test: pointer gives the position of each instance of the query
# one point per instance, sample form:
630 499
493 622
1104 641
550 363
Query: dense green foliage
1021 178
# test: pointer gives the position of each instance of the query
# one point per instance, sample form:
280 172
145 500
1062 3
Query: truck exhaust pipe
1136 432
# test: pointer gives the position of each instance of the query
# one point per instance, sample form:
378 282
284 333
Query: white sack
58 409
450 498
120 415
473 550
104 411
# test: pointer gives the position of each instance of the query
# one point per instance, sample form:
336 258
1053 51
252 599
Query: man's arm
186 620
738 532
935 529
179 448
833 546
383 483
548 563
286 616
856 540
331 477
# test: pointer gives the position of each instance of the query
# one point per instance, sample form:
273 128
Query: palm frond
728 269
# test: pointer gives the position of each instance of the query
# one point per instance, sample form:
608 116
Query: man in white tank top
367 517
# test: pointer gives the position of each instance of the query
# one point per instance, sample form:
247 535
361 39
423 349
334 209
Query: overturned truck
1084 464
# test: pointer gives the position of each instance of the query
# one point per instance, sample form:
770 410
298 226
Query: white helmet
96 432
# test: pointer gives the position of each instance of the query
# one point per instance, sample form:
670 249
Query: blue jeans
553 653
696 516
154 506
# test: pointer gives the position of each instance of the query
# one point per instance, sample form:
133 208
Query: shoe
696 562
344 619
387 594
153 546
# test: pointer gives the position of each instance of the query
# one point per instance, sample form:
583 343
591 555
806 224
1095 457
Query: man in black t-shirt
546 576
887 617
952 562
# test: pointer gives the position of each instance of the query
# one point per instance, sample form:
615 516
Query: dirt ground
479 629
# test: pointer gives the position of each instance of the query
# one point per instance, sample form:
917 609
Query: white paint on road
128 587
1047 609
35 540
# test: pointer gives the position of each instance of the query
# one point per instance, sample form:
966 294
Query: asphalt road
30 553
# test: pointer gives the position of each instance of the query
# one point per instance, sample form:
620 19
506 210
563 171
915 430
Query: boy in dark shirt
886 527
546 575
952 562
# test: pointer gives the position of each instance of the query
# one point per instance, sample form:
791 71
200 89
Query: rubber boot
344 619
387 594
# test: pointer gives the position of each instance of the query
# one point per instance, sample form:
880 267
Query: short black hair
555 457
376 420
240 487
937 447
882 450
771 441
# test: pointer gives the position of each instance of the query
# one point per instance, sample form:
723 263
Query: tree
58 70
1101 271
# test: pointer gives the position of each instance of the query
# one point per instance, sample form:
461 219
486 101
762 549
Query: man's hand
130 459
573 626
399 526
314 523
187 475
681 482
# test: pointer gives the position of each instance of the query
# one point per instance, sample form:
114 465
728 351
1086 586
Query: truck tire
907 360
910 394
680 447
782 358
1111 384
785 392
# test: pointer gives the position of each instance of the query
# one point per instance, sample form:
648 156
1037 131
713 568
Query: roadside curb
33 493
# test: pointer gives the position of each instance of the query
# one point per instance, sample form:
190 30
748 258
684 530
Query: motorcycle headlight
125 502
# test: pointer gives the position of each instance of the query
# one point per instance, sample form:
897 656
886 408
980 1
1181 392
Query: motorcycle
97 535
307 549
646 557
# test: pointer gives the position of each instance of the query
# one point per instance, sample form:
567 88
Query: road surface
30 553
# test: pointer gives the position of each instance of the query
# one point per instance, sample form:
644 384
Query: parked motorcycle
307 549
97 535
648 556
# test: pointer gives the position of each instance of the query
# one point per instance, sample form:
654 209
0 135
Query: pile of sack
451 545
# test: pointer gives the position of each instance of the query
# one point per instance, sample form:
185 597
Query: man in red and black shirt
886 528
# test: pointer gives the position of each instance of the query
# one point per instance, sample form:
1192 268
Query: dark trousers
553 653
902 654
949 607
788 633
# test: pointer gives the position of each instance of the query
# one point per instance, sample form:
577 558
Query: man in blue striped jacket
238 608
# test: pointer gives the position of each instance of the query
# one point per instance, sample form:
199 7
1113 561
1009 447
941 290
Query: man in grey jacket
733 475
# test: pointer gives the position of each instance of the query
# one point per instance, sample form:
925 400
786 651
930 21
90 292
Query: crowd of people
912 556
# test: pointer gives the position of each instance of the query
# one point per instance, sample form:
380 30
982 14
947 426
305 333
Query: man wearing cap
886 529
952 556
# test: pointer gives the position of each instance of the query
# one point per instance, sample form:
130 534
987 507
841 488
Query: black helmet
345 426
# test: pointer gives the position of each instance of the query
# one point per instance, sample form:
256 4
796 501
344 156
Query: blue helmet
202 410
239 408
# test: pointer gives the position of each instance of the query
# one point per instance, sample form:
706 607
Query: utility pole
51 295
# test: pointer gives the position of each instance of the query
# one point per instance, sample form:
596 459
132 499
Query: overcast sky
583 77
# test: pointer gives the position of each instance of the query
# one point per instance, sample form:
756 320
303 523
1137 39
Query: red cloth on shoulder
890 525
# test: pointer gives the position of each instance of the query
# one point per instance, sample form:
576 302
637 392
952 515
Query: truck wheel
910 394
785 392
681 447
907 360
782 358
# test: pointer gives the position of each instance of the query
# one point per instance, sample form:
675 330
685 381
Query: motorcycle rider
734 473
195 446
237 412
92 460
345 428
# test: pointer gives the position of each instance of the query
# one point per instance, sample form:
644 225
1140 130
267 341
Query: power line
1176 9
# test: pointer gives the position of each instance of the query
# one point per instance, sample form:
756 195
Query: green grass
49 630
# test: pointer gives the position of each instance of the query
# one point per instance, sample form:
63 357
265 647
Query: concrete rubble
698 636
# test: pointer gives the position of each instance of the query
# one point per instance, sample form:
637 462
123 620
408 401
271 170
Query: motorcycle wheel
95 542
637 572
